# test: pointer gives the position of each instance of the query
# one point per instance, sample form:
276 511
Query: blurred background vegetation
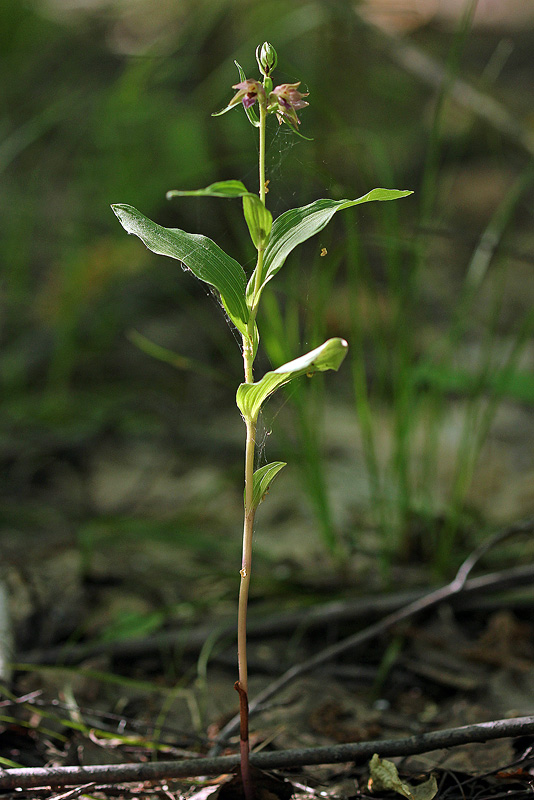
425 438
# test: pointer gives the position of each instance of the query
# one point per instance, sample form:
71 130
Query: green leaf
296 130
223 110
199 254
219 189
299 224
251 396
263 477
257 217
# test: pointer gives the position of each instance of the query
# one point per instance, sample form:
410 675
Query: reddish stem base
248 786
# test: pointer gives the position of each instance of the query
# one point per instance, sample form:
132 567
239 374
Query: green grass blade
175 359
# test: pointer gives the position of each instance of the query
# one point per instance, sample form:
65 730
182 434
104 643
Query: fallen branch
364 608
165 770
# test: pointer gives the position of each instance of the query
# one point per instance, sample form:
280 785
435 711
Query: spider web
281 144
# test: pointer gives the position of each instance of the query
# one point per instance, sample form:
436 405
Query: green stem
250 511
263 117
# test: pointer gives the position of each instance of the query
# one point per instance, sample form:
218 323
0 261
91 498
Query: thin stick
316 616
337 754
432 72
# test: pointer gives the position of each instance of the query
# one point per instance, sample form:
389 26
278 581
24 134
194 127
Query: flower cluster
284 100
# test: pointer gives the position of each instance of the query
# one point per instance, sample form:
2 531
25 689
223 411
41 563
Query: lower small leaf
263 477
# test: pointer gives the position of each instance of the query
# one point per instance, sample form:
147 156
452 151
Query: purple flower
289 100
248 92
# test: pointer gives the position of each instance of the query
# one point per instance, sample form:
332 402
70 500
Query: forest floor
125 647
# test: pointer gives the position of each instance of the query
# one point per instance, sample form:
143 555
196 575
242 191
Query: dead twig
430 71
76 792
353 610
361 751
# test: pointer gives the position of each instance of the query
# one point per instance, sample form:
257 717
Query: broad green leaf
251 396
199 254
299 224
257 217
263 477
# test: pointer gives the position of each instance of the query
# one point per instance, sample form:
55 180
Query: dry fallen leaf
385 777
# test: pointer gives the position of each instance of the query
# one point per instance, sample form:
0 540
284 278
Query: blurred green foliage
113 104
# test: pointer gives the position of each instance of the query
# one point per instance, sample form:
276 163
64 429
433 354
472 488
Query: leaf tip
125 215
117 209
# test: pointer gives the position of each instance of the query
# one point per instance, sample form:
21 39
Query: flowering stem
263 116
250 511
246 563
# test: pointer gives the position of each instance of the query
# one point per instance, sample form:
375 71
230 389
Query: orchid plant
240 297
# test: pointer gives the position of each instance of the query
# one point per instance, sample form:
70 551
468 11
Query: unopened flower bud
266 58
